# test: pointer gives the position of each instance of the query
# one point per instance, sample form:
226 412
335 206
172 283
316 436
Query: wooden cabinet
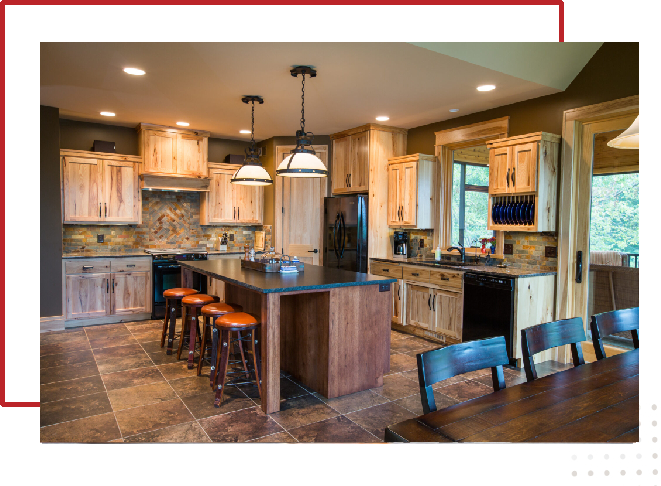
418 306
105 288
448 312
351 163
173 151
524 169
228 203
410 191
100 188
397 289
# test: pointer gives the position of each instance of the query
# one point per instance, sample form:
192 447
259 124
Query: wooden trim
86 154
369 126
528 138
174 182
222 165
53 323
411 158
476 132
111 319
164 128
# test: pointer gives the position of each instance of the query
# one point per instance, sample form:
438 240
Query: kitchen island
328 328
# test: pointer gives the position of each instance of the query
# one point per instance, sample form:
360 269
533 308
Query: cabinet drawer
130 265
386 270
445 278
87 266
416 273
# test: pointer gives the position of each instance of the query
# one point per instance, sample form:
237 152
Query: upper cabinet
227 203
523 182
410 191
100 188
358 152
173 151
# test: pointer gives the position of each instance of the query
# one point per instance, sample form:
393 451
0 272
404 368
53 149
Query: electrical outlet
422 243
508 249
551 251
99 238
231 236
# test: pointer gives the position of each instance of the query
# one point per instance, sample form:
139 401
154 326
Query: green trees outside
614 213
477 204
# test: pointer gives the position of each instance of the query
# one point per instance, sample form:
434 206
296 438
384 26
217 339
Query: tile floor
114 383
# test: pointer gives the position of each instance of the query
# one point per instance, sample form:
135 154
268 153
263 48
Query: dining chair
441 364
541 337
607 323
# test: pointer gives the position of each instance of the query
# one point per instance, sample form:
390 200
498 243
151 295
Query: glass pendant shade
252 175
302 165
628 139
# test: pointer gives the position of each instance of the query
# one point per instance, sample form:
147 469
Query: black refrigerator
345 233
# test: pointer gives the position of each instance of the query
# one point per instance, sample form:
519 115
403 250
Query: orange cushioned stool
209 313
238 322
172 296
189 325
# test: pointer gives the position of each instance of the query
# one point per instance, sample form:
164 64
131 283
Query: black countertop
482 269
137 252
312 278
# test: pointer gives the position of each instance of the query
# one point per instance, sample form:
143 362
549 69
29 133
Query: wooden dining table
594 402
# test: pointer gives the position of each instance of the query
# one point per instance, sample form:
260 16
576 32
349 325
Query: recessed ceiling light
382 118
454 110
183 124
245 131
107 113
134 71
486 87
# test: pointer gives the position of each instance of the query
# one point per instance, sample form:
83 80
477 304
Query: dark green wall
50 218
612 73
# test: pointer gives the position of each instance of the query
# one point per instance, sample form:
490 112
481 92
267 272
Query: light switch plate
508 249
551 251
99 238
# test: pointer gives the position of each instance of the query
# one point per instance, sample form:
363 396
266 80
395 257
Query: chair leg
214 355
203 345
222 369
172 324
243 356
165 322
256 356
193 336
184 327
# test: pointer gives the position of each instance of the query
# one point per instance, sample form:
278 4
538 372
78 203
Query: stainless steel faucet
461 250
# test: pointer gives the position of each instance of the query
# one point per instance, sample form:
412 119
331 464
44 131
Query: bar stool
209 313
190 324
172 296
224 325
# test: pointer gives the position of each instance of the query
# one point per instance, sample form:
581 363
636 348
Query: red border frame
3 402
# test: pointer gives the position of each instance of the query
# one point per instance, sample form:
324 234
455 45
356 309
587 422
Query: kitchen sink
451 264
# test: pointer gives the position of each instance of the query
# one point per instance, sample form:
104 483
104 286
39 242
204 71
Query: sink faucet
461 250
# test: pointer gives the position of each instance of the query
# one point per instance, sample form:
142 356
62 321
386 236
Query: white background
25 460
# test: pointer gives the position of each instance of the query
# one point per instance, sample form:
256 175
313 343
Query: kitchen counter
480 268
137 252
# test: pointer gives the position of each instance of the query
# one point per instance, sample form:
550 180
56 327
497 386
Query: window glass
469 216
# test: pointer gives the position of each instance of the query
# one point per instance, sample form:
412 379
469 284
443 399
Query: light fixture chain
252 136
303 105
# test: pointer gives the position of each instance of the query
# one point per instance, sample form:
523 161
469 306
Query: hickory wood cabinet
410 191
102 288
169 151
100 188
525 168
227 203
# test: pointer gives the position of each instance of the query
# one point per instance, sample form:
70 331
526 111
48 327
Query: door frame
573 228
280 150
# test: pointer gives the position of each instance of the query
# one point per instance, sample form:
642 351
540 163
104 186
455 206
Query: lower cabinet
418 306
129 292
397 291
448 312
88 296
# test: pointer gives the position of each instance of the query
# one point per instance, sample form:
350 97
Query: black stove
166 274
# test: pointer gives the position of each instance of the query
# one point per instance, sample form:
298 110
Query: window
470 203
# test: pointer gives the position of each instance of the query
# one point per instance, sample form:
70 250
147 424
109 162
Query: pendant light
251 173
628 139
303 161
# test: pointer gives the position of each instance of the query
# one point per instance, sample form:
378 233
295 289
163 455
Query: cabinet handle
429 302
386 270
88 267
445 278
130 266
113 285
238 213
507 177
349 180
513 180
107 285
99 210
398 297
105 205
346 180
433 303
234 217
415 274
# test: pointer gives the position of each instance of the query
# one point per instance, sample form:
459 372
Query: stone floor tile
356 401
74 408
300 411
240 426
414 403
201 405
151 417
124 363
69 389
402 362
73 357
137 396
396 386
68 372
99 428
335 430
129 378
376 419
183 433
280 437
117 351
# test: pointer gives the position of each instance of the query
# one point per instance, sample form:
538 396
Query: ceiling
202 83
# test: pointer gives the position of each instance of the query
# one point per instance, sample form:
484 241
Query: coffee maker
401 247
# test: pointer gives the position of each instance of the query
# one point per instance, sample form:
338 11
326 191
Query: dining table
593 402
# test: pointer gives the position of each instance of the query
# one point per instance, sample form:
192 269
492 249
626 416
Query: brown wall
612 73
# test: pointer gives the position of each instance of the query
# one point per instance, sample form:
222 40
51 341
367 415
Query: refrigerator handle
344 234
335 231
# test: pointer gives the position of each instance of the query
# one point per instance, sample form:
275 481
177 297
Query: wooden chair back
607 323
441 364
549 335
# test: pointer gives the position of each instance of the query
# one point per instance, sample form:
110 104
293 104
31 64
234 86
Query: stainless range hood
170 182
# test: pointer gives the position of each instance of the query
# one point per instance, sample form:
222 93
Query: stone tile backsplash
529 250
169 220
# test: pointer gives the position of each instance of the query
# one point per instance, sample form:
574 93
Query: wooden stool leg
182 334
214 355
172 324
165 322
222 369
243 356
256 356
191 341
203 346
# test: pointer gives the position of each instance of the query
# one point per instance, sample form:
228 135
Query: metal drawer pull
429 302
415 274
513 180
445 278
433 302
386 269
88 267
130 266
113 285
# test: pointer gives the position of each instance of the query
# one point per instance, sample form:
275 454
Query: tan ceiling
202 83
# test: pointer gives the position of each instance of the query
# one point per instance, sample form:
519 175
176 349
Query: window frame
463 187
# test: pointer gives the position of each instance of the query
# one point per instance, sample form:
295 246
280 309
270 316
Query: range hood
173 182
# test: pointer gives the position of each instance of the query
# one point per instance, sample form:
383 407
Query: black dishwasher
489 309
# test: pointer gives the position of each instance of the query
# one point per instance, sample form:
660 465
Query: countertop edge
480 269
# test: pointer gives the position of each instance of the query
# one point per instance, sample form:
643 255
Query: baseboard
53 323
106 320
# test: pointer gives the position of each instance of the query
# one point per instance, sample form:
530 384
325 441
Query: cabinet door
499 170
409 193
359 171
219 199
341 164
524 167
418 306
448 308
130 293
397 289
121 193
160 152
191 155
82 189
88 295
248 201
394 193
